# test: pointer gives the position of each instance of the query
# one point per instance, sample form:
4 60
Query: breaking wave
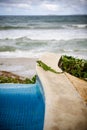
44 26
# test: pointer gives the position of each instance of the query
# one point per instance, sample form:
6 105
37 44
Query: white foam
18 53
80 25
60 34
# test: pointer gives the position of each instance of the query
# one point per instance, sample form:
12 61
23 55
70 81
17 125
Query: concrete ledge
65 109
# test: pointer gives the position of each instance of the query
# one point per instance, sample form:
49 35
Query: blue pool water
22 107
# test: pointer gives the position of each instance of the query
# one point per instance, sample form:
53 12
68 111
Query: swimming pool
22 106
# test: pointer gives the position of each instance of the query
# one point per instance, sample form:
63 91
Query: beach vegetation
74 66
8 77
46 67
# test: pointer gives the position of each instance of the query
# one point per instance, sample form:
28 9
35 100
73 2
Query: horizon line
47 15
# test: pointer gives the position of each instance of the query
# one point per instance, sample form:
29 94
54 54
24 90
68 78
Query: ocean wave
31 27
44 26
79 26
42 35
27 41
42 22
20 53
37 54
19 38
22 44
33 48
13 27
7 48
25 44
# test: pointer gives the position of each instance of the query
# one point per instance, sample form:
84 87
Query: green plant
46 67
76 67
4 79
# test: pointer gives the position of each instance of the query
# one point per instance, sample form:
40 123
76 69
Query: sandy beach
24 67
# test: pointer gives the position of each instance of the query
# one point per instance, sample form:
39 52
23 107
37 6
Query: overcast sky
43 7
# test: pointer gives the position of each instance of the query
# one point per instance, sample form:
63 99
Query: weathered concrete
65 109
80 85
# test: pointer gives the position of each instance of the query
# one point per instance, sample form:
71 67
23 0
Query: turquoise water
30 36
22 107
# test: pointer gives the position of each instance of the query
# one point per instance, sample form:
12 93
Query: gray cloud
37 1
63 5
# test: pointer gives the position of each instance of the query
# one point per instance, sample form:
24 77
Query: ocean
31 36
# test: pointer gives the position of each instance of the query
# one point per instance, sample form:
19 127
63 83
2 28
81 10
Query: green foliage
34 79
76 67
4 79
46 68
